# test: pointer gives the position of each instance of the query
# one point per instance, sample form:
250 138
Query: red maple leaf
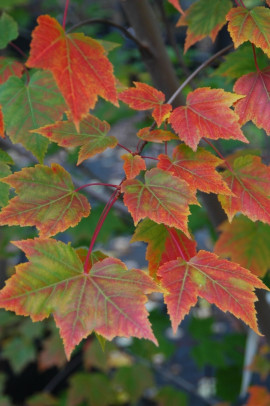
78 63
256 105
133 165
196 168
145 97
249 180
163 198
207 114
224 283
109 299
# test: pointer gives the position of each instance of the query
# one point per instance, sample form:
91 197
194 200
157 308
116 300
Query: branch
126 32
143 20
198 70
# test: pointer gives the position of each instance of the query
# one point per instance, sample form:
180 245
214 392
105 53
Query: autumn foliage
49 98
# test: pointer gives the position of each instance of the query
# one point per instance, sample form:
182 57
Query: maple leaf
224 283
9 67
5 162
196 168
203 20
109 299
240 62
250 25
247 243
163 198
92 137
249 180
79 65
46 199
145 97
156 135
256 105
176 4
8 30
164 244
27 106
207 114
259 396
133 165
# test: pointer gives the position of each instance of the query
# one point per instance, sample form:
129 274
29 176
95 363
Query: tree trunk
143 20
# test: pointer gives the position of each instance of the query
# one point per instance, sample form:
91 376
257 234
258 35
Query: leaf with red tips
247 243
145 97
9 67
196 168
156 135
203 20
46 199
224 283
164 244
79 65
250 183
256 105
31 105
259 396
161 113
92 137
2 130
133 165
176 4
207 114
250 25
109 299
163 198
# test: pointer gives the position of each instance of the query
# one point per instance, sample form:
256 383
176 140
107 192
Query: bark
143 20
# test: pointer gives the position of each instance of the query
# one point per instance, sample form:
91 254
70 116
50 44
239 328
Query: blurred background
206 361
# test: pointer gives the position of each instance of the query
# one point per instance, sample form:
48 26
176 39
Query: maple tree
49 98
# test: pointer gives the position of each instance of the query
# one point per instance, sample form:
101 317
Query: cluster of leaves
88 291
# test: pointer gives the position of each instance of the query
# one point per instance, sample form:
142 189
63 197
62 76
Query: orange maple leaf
79 65
224 283
145 97
207 114
250 25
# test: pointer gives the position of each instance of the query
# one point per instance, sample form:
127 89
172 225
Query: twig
126 32
171 38
198 70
